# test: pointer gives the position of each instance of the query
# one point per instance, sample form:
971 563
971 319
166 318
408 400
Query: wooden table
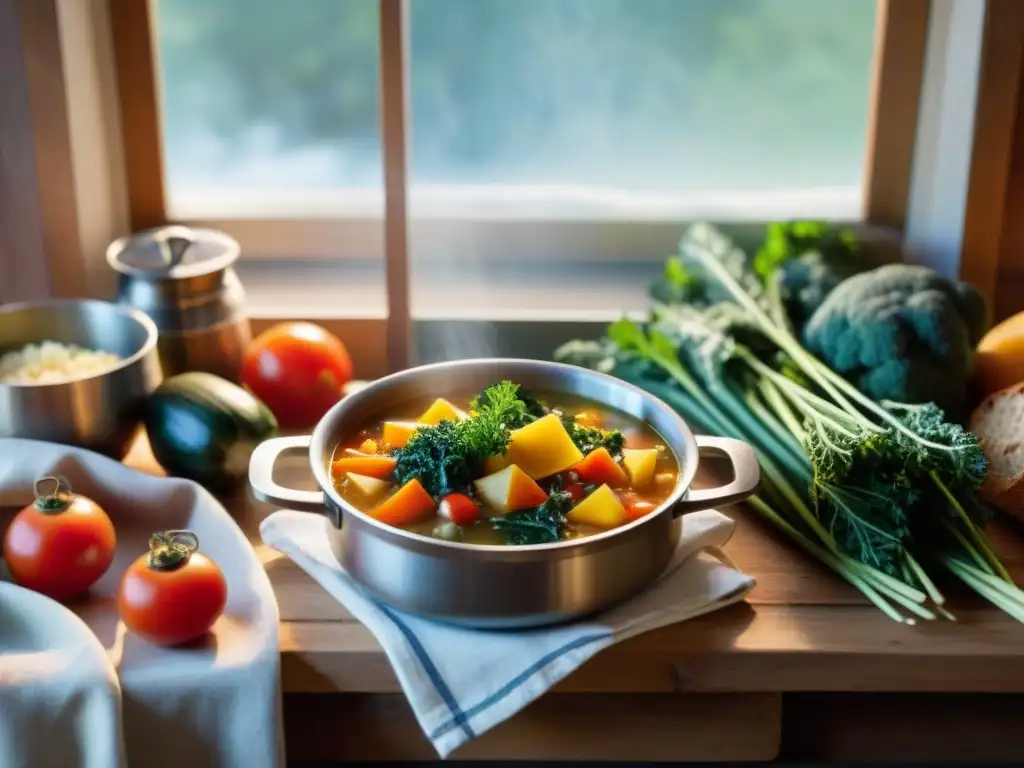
806 667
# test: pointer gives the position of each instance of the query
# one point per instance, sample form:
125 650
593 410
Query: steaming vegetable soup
506 467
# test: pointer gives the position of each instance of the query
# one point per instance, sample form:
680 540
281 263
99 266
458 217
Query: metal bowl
101 412
501 586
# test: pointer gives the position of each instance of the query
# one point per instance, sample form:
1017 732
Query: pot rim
319 461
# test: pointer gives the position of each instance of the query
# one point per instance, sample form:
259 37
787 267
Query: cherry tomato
576 490
459 508
60 545
299 370
638 509
173 594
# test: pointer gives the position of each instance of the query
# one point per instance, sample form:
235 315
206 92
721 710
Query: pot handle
261 476
746 471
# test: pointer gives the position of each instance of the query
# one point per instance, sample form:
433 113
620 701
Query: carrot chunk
409 504
599 468
380 467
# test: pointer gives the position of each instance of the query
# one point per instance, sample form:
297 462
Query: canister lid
173 252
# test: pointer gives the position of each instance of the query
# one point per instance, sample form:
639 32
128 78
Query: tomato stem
171 549
59 499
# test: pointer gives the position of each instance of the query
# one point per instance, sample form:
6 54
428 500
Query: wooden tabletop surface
801 629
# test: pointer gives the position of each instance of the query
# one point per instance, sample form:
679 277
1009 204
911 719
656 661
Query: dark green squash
205 428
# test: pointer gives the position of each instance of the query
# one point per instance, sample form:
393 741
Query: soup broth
564 467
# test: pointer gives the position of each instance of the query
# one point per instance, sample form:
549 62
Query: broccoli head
901 332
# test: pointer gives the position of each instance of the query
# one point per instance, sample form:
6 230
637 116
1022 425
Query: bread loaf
999 424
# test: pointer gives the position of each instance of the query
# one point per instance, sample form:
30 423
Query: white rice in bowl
50 362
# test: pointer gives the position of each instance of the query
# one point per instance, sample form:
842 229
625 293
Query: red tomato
60 545
638 509
576 490
173 594
459 508
298 370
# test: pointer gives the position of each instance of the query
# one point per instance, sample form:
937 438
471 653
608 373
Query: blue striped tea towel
461 682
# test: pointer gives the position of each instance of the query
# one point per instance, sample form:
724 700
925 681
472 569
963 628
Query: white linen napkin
213 704
461 682
54 673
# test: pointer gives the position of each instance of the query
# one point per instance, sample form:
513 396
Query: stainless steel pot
497 586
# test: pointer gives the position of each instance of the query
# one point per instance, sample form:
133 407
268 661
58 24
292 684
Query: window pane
748 108
604 99
265 99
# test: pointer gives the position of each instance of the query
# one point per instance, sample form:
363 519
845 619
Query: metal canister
183 278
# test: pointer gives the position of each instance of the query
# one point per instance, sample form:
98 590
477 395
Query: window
552 110
555 147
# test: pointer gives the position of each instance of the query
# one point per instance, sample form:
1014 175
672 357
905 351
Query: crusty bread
999 424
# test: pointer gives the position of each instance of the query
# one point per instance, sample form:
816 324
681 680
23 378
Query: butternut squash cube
640 464
370 487
494 464
441 410
509 490
543 448
397 433
602 509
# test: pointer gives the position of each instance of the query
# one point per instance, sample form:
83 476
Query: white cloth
60 703
215 704
461 682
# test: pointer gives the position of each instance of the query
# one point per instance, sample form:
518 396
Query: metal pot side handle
261 476
746 475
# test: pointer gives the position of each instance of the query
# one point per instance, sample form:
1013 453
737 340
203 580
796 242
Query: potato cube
370 487
509 490
543 448
601 509
640 464
441 410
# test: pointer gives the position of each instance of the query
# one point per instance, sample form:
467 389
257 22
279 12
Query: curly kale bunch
806 260
797 265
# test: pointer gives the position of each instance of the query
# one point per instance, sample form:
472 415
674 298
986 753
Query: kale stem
803 397
945 613
1008 590
983 564
798 503
908 575
891 583
775 400
975 533
922 577
782 434
762 435
829 559
972 577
